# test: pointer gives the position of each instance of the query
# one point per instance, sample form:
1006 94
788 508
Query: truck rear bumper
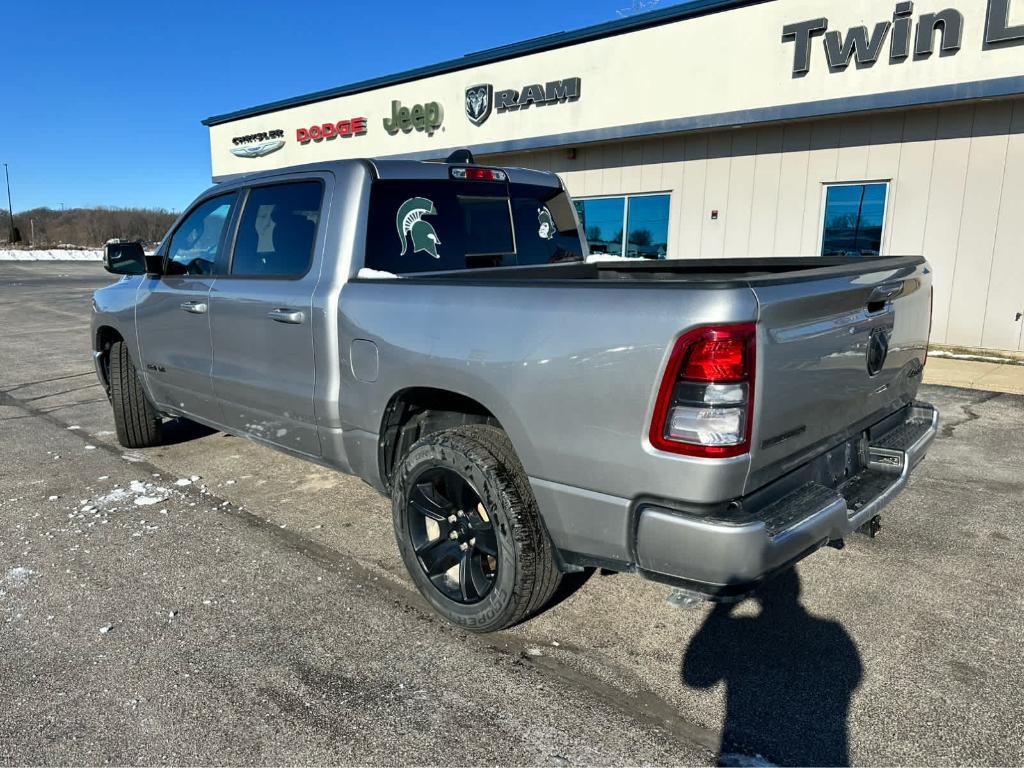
726 555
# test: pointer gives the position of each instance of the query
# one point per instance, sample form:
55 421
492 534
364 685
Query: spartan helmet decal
410 222
546 224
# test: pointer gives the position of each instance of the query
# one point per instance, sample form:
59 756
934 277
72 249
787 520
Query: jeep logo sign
421 117
905 34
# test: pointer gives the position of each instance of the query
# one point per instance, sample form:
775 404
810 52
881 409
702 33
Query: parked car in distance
436 330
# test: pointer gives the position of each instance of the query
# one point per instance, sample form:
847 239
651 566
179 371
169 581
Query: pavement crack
948 428
48 381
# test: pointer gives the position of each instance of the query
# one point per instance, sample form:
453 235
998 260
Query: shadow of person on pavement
789 677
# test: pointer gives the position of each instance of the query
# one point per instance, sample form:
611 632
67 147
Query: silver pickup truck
438 330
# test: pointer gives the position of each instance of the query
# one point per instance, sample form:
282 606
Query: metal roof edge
501 53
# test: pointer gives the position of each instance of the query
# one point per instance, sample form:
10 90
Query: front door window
196 243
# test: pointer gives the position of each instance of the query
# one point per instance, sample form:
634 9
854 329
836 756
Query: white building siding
956 195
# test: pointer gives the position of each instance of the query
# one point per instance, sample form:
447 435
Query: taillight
705 405
478 174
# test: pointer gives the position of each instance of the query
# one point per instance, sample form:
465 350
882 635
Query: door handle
285 315
886 291
195 307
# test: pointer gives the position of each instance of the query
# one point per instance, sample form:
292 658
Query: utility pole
14 236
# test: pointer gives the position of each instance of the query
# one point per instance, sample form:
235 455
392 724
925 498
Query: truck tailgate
834 355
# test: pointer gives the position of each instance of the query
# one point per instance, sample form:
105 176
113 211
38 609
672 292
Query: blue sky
102 101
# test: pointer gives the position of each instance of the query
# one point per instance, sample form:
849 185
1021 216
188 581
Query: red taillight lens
720 356
705 403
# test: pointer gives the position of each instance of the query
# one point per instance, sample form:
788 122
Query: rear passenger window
278 230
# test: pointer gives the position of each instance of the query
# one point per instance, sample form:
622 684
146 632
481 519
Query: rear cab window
449 225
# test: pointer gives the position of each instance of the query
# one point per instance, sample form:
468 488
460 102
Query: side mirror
128 258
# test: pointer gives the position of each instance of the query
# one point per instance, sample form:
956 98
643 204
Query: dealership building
731 128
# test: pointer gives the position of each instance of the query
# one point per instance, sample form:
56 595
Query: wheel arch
106 336
414 412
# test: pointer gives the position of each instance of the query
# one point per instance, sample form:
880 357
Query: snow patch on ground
52 254
979 358
115 496
18 577
597 258
140 494
147 494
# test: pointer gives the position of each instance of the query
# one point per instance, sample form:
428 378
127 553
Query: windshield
432 225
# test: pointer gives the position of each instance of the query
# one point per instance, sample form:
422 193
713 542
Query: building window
854 219
635 226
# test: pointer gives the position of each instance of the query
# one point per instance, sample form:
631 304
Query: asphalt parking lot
259 612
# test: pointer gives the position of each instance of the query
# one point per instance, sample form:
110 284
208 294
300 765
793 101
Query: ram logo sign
479 100
482 99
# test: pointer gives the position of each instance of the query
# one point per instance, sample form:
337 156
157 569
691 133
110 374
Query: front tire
137 422
469 530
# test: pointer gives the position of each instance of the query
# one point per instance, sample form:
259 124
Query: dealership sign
345 129
482 99
425 118
906 36
258 144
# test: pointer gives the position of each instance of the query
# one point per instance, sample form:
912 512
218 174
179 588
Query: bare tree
91 227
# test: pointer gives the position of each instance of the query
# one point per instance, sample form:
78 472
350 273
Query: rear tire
137 422
524 575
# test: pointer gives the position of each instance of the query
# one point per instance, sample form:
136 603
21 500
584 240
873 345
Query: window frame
511 226
226 235
237 224
827 185
626 197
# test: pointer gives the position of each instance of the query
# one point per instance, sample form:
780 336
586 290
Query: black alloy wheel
452 535
469 530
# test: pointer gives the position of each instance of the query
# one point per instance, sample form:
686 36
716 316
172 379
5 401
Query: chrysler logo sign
258 150
482 99
257 144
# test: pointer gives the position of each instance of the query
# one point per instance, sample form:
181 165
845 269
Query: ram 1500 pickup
437 330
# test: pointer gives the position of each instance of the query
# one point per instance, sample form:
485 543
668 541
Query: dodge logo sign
878 350
356 126
479 100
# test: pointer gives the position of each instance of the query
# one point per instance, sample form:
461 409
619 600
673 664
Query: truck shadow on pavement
181 430
789 678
